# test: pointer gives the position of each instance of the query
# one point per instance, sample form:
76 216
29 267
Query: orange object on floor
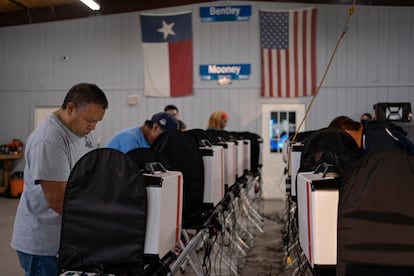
16 187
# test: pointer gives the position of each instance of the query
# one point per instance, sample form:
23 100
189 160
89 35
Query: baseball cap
165 120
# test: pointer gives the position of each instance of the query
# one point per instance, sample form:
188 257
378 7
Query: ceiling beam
17 3
79 10
74 10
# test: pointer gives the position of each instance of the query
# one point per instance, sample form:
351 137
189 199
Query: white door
279 121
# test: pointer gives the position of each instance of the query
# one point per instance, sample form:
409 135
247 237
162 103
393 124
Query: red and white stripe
291 72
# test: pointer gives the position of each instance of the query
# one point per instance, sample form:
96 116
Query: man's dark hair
368 115
365 117
345 123
149 124
170 107
85 93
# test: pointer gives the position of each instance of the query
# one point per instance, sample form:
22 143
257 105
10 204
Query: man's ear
155 128
70 107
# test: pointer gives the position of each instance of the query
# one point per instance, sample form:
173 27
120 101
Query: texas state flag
168 54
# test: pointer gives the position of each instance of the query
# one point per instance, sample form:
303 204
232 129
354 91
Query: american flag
287 42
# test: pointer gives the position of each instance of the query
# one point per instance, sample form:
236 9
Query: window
282 125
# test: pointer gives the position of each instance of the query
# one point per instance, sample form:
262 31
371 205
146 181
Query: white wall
375 62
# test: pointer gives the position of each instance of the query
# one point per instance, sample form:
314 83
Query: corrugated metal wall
375 62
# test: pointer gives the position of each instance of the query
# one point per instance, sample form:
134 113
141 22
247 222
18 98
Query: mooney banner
168 54
232 71
287 42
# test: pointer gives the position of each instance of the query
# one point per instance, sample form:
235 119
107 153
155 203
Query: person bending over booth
143 136
51 152
374 136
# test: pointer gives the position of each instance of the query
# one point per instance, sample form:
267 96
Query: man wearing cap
143 136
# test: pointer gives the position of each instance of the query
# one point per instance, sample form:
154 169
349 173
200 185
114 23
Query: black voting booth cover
233 136
143 156
184 156
376 216
330 146
255 141
104 215
221 135
201 134
301 137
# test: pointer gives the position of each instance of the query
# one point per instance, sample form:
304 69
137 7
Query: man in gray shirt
51 151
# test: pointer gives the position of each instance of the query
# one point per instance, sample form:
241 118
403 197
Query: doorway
41 112
279 122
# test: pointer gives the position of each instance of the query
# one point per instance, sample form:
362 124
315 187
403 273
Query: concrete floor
266 257
8 259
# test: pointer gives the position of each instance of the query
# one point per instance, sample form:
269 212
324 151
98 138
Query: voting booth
317 201
213 160
164 197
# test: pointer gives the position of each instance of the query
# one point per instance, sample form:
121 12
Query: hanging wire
350 11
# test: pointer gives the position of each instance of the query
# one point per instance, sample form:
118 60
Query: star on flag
167 29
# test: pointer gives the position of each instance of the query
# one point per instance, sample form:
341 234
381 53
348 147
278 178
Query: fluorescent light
91 4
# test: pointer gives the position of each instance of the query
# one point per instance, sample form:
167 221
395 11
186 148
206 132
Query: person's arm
54 193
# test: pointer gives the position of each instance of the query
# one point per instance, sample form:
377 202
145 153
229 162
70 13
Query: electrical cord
292 226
